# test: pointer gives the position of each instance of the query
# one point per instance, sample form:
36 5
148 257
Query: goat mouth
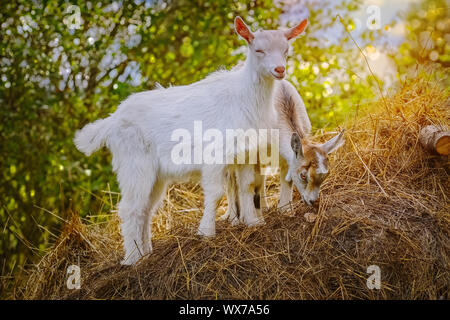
308 203
278 76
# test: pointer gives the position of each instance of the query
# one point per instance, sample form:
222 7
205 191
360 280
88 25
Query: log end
443 145
435 139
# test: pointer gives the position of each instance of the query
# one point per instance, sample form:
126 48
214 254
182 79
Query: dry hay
385 204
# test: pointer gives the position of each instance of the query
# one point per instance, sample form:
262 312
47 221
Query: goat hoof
235 222
283 206
225 216
206 233
256 223
128 261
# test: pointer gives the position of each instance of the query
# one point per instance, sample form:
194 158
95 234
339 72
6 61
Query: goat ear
296 145
243 30
334 143
297 30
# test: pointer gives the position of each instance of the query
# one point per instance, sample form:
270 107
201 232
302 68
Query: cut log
435 139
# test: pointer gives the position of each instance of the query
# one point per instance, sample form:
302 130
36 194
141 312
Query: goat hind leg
133 208
260 195
232 213
156 197
246 186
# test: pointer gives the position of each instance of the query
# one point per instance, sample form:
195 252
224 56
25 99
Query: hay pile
385 204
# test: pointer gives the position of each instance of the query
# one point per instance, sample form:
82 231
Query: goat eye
303 176
260 51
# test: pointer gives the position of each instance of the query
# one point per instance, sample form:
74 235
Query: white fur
287 156
139 133
290 163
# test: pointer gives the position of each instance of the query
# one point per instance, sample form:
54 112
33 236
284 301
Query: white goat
302 163
139 134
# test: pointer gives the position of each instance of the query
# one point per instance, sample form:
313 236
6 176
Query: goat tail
93 136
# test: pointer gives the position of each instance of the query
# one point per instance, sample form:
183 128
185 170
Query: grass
385 203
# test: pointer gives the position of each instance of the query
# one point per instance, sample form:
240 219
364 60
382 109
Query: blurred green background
65 64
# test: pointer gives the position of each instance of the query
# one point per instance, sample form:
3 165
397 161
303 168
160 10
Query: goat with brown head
309 167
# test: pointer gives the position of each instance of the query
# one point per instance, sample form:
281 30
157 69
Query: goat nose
280 69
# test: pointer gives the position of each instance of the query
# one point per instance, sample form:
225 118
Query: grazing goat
140 134
302 162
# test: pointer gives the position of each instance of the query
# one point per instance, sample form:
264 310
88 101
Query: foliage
427 38
327 67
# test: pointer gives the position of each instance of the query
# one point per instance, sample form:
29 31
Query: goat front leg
245 177
212 183
285 189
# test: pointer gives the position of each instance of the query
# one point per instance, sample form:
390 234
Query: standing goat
302 162
139 134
